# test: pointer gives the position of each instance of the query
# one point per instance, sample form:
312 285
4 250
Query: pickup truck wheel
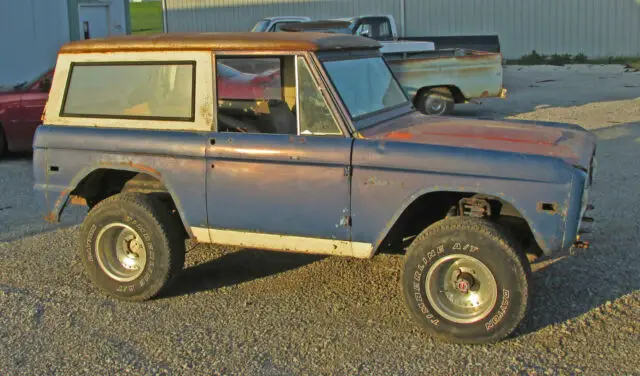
437 101
465 282
131 246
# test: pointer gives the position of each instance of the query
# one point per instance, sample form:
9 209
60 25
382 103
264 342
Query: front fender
548 230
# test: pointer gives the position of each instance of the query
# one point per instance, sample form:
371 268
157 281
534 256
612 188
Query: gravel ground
245 312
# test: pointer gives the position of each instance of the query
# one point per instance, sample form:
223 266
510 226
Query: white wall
31 32
598 28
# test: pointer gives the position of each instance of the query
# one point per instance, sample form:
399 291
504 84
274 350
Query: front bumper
585 222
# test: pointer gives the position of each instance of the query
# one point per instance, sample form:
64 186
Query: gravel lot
251 312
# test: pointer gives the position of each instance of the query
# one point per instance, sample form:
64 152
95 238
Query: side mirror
45 85
365 31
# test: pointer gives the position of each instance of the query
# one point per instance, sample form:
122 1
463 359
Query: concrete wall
31 31
598 28
241 15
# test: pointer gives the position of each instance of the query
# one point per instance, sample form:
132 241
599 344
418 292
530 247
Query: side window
385 29
315 115
256 94
277 26
150 90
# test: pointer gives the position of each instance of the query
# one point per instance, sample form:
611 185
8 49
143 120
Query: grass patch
535 58
146 17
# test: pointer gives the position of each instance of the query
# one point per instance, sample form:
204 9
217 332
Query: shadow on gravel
234 268
16 157
560 87
570 285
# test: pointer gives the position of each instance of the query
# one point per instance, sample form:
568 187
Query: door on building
94 21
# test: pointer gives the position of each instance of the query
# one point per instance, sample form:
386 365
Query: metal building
597 28
32 31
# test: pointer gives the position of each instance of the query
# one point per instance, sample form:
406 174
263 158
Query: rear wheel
3 142
466 281
131 246
436 101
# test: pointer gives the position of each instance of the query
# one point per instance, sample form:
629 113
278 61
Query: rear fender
65 196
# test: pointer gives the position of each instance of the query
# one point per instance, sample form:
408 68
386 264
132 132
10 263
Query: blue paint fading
174 157
297 185
280 184
520 180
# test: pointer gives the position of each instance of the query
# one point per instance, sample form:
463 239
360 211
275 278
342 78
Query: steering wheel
237 124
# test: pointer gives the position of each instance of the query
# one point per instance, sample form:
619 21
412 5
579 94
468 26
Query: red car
21 107
21 110
233 84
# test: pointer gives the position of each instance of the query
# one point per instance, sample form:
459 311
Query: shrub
581 58
560 60
532 59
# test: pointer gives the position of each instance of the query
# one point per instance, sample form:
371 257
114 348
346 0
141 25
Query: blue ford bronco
302 142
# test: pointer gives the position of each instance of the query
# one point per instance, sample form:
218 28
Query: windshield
365 85
261 26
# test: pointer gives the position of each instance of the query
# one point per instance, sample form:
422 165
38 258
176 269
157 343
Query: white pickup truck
436 79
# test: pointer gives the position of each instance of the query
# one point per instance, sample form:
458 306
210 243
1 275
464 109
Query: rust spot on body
135 166
296 139
206 112
399 135
77 200
51 217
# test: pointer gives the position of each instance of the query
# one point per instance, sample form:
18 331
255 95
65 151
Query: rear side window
153 90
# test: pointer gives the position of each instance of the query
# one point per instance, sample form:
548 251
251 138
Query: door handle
294 157
212 141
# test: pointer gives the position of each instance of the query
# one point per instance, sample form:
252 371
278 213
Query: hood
568 142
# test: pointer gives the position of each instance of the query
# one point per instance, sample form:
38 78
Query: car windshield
260 26
365 85
28 84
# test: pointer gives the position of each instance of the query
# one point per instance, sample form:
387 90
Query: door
94 21
278 167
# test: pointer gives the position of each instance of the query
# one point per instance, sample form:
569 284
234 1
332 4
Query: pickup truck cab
435 79
329 158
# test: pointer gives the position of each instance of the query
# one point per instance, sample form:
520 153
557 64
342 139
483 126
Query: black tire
436 101
475 242
3 142
163 246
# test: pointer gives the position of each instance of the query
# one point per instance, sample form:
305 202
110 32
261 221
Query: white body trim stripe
285 243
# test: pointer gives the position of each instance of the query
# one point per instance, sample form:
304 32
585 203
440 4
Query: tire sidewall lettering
418 284
148 240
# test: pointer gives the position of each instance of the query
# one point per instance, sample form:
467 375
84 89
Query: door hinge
345 221
348 171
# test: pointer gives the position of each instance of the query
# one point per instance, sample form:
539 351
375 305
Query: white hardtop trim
204 100
406 46
284 243
284 18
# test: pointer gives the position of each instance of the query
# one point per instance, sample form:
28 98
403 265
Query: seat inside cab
256 94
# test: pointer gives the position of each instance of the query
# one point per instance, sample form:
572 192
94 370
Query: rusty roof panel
245 41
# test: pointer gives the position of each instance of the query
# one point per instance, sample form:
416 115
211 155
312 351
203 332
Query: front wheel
131 246
436 101
465 281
